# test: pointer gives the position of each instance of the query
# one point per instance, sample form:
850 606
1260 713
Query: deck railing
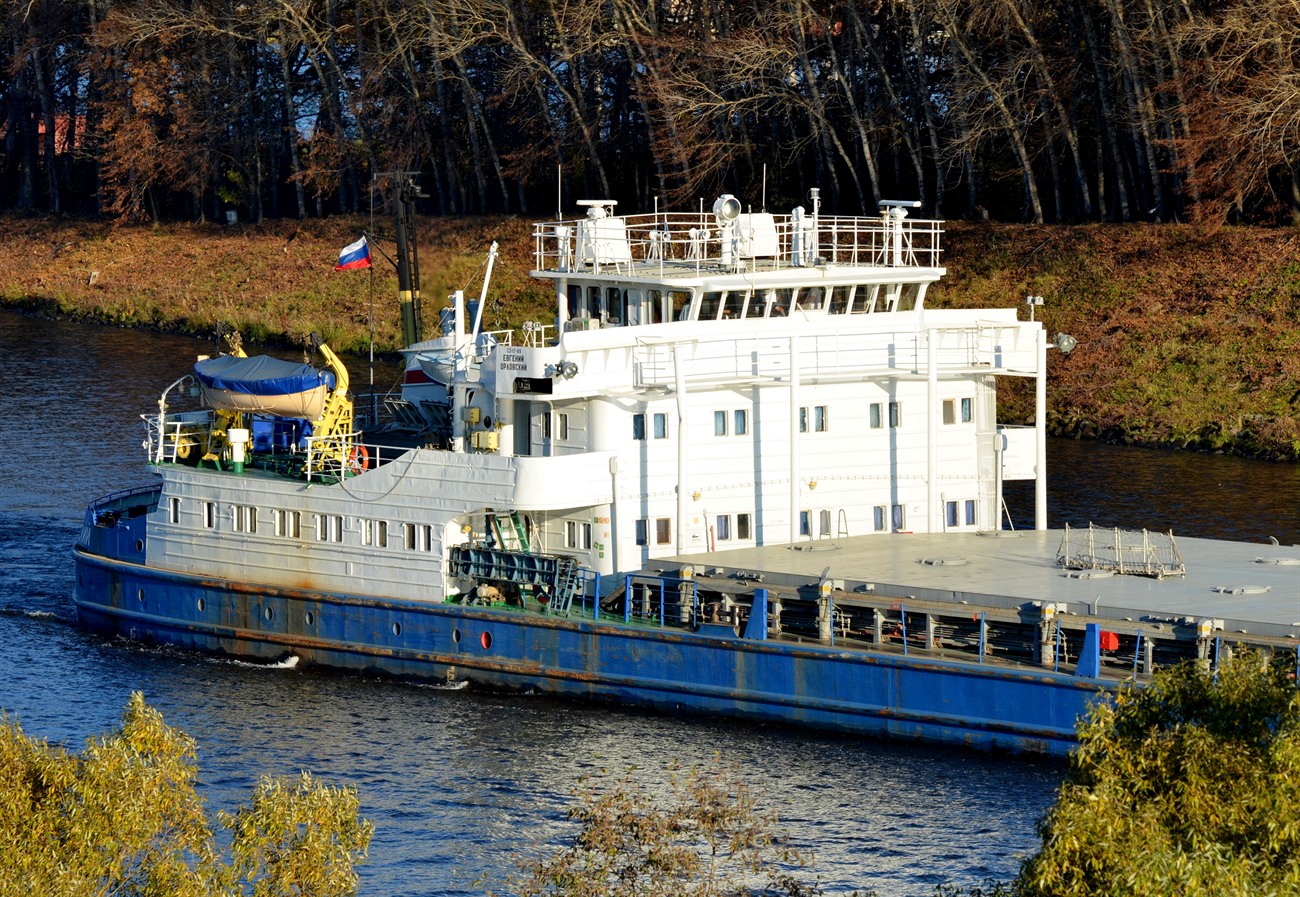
677 243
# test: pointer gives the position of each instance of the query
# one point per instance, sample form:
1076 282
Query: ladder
568 583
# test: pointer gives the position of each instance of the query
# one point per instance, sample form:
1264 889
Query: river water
461 784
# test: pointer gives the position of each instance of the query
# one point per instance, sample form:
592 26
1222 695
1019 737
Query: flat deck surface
1006 570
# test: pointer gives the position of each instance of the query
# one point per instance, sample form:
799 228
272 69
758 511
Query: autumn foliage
1013 110
123 817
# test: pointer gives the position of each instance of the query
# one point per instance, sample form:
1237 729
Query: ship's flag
354 255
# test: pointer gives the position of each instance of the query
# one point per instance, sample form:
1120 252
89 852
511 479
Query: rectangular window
895 414
803 419
250 519
563 424
329 528
880 518
577 534
210 514
663 530
970 512
825 520
950 511
741 419
876 413
643 532
237 518
744 527
546 424
821 419
424 536
950 411
967 412
374 532
174 510
719 423
805 523
288 524
899 519
661 425
723 529
408 533
638 426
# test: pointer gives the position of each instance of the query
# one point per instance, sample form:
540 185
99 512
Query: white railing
824 355
171 437
676 242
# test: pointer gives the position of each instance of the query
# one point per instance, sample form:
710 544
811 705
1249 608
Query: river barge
747 471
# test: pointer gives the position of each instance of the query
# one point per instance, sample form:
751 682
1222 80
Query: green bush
1190 785
123 818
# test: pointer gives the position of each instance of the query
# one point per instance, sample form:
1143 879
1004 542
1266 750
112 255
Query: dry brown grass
1188 336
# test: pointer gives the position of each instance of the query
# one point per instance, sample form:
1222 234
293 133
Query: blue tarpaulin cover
260 375
264 385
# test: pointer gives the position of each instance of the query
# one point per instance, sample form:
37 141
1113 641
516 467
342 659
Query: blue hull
868 693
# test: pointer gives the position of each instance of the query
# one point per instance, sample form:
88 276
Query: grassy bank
1187 337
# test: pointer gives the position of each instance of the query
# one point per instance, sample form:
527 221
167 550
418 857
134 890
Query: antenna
559 192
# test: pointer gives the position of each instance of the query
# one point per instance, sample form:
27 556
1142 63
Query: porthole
268 613
310 618
455 636
140 595
202 605
485 640
139 545
397 629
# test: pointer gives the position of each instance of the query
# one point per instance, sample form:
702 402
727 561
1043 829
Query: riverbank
1188 337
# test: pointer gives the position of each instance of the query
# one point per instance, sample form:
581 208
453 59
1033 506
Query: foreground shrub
123 818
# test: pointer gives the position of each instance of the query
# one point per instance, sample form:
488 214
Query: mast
405 192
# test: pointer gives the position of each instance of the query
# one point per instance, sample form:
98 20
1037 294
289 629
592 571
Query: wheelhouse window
840 298
864 299
680 301
781 301
757 307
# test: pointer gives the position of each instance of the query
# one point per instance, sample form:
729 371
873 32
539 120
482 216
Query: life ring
359 459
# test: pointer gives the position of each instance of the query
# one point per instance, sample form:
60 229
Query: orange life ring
359 460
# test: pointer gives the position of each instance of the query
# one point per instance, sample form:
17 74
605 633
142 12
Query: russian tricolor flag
354 255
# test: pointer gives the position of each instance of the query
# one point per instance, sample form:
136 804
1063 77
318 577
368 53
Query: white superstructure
714 380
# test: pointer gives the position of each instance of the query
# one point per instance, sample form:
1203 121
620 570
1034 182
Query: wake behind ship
642 501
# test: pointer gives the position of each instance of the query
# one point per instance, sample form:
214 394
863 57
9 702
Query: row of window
725 528
614 306
815 418
327 527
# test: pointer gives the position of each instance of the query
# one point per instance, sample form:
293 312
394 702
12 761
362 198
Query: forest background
1149 151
